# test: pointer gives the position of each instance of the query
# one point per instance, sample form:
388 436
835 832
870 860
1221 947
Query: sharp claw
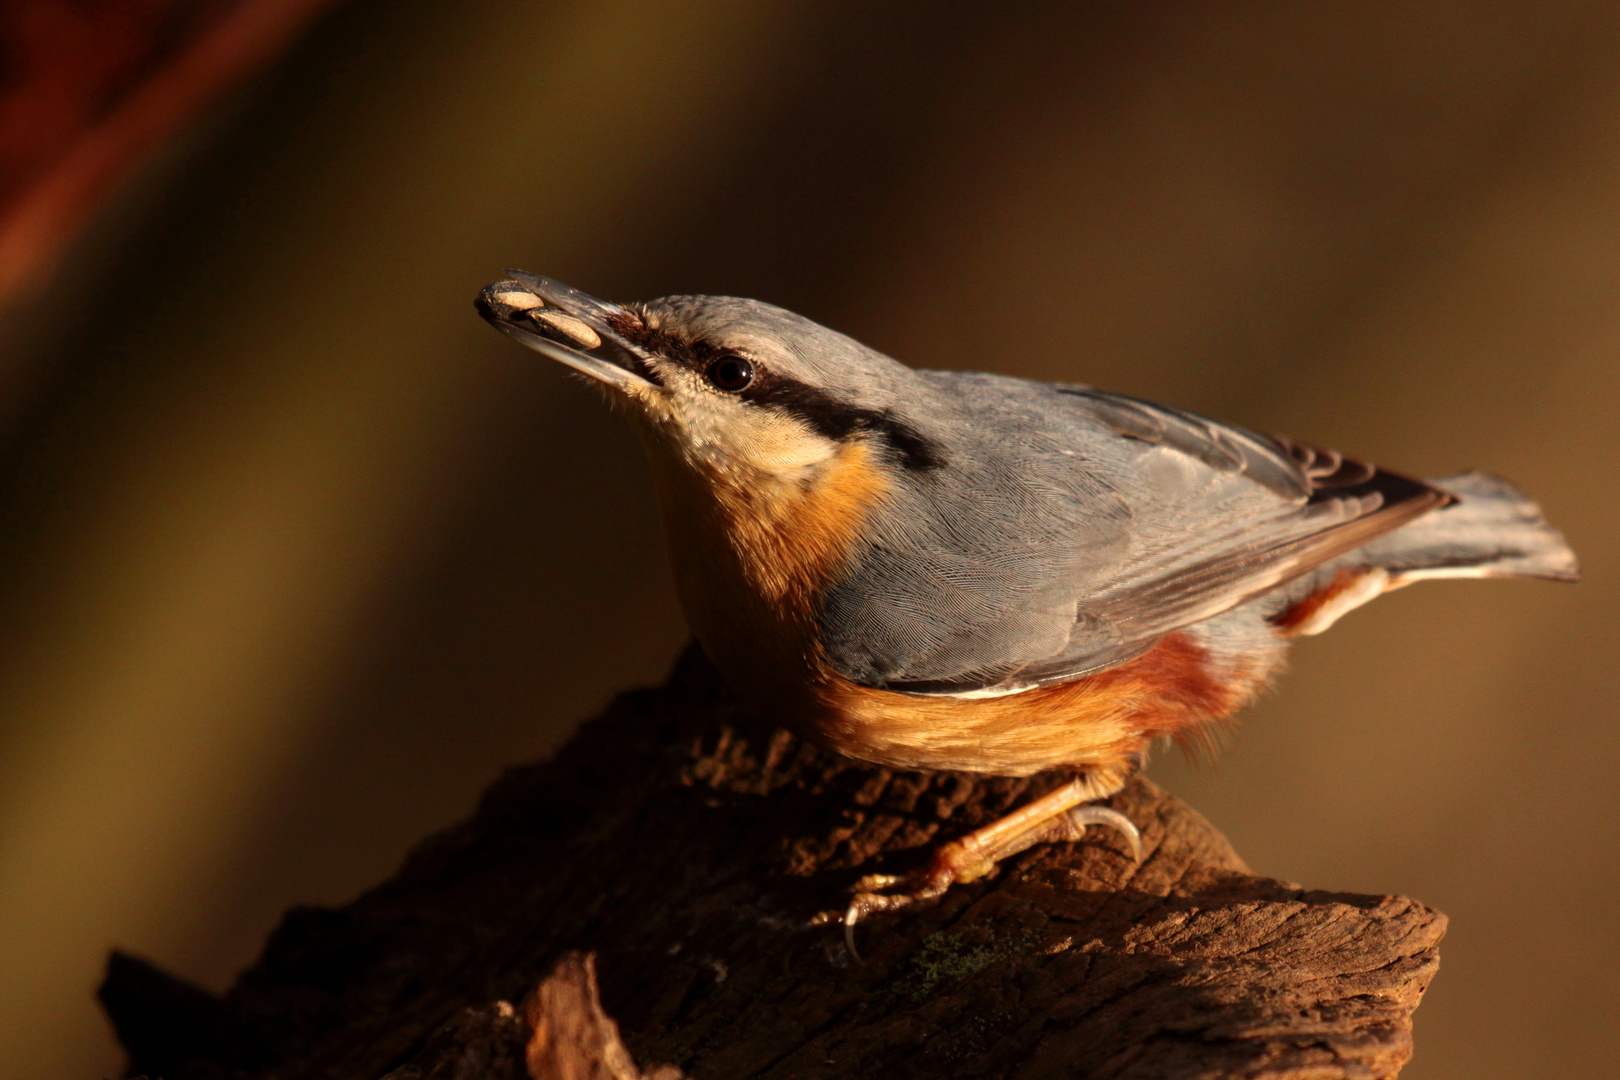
865 903
850 918
1082 816
867 898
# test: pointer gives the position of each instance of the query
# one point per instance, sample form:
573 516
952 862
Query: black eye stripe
826 415
838 420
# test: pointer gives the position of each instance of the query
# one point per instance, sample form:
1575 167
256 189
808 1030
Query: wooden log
686 846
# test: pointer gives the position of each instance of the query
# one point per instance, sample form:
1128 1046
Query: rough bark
687 847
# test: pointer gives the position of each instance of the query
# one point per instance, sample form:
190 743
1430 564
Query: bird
945 570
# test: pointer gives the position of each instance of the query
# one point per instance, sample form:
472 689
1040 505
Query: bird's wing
1094 526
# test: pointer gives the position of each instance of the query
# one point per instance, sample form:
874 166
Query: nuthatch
945 570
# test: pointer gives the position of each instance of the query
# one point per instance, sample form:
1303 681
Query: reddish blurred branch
90 88
688 847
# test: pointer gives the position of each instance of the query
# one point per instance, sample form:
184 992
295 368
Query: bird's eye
731 373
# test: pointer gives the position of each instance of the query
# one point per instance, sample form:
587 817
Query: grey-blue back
1064 530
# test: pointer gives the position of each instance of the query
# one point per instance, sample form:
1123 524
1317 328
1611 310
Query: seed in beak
569 327
519 301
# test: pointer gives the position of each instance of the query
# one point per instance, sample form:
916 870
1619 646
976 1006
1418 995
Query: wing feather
1111 522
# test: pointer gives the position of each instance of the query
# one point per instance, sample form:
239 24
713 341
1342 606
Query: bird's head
735 389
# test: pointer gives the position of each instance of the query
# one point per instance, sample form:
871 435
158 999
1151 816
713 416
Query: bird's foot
1050 819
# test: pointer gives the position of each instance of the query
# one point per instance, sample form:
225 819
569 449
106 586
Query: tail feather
1492 530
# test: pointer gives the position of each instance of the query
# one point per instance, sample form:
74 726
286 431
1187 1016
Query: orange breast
1097 720
751 556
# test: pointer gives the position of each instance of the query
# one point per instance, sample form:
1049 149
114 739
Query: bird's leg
1056 816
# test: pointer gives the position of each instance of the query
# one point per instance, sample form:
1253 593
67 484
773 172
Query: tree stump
674 853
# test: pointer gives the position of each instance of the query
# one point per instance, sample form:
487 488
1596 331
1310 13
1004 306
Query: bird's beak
567 325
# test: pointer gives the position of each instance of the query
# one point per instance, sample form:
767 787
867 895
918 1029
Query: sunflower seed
518 301
569 327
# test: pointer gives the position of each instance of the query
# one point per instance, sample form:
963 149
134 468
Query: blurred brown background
297 554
